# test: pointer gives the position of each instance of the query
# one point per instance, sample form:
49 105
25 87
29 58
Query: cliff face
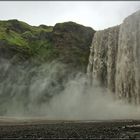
72 42
66 42
36 63
115 58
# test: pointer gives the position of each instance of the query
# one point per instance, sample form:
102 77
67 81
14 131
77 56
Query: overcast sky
97 14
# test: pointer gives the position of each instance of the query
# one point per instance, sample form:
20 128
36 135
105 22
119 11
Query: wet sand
58 129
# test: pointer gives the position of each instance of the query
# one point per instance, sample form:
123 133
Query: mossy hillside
67 42
21 35
20 26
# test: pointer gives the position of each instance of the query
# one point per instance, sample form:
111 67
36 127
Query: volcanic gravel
122 129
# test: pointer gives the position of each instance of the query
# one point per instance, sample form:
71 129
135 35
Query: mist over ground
49 91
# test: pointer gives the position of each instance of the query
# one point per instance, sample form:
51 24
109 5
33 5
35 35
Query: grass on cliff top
29 38
13 38
13 24
20 34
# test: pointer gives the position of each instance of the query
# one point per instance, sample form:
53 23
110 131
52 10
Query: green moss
43 50
23 35
27 34
47 29
16 39
13 38
67 42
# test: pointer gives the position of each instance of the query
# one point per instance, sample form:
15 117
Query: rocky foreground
114 129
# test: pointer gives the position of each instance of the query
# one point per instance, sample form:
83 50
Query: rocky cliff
115 58
37 63
66 42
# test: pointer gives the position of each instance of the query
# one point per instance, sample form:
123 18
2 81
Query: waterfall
102 60
115 58
128 59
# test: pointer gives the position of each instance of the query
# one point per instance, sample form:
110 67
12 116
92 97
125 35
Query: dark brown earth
121 129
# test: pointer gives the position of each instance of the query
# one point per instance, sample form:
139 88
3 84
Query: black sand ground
121 129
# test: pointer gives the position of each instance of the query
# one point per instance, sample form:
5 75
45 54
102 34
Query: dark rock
17 26
72 41
70 34
67 42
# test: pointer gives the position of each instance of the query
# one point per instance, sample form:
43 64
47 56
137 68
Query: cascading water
53 91
115 58
128 59
102 60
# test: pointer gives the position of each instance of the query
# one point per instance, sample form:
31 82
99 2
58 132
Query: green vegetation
22 35
67 42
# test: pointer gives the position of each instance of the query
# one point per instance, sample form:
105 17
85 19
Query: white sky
96 14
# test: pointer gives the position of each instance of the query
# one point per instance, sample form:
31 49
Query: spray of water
49 91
